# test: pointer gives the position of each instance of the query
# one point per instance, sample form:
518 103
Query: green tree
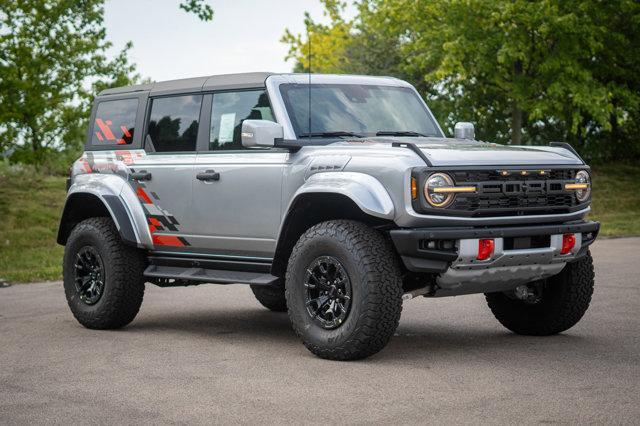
51 54
524 71
52 62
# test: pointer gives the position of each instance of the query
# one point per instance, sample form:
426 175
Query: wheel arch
105 195
309 208
84 205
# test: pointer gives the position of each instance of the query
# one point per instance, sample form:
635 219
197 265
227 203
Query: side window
173 124
114 122
228 112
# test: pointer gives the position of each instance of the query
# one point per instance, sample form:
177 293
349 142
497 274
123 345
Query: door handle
208 176
141 175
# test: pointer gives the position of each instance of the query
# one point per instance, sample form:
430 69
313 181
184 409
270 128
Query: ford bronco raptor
333 197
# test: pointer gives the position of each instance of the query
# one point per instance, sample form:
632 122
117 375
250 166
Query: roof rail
412 146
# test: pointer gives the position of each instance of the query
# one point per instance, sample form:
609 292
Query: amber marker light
414 189
524 173
504 173
454 189
576 186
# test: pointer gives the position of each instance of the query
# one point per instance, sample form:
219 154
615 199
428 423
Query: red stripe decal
105 129
143 196
126 156
154 221
167 240
86 166
121 142
99 136
125 131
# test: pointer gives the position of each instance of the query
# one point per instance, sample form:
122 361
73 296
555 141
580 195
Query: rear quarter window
114 122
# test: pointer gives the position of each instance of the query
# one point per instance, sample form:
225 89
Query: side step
213 276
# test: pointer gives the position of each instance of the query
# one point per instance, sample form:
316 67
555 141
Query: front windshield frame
284 87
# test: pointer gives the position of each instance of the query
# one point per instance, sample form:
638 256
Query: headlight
583 178
437 199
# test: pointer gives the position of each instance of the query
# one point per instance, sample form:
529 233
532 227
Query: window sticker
227 126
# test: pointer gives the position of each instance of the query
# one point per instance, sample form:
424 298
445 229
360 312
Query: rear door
238 212
164 177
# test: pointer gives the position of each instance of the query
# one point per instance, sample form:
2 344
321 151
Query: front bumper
451 253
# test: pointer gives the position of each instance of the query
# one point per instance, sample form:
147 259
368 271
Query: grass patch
30 208
616 200
31 204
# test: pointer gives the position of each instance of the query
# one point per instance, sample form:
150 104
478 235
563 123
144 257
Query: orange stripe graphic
105 129
167 240
143 195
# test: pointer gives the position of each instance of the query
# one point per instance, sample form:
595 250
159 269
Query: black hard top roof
213 82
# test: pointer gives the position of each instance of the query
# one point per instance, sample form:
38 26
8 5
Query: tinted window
229 110
358 108
114 122
173 124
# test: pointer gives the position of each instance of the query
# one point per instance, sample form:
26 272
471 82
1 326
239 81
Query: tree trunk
35 138
516 124
516 112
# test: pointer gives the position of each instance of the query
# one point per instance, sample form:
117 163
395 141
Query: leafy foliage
52 60
523 71
198 7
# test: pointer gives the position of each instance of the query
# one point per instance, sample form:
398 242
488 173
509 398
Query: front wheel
559 302
343 290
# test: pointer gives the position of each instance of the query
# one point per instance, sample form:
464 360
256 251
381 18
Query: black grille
515 193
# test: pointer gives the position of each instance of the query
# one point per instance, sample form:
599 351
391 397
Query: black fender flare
83 205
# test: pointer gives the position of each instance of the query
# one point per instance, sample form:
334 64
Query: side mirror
464 130
260 133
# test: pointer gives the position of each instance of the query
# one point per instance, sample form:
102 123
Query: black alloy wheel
89 275
327 292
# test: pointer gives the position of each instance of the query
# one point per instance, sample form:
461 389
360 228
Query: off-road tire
271 298
376 283
123 281
565 299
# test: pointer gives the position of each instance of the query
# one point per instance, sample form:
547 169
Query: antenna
309 74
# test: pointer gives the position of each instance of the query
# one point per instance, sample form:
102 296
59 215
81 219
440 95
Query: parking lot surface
212 354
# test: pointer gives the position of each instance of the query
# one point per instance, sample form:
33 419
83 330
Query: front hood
462 152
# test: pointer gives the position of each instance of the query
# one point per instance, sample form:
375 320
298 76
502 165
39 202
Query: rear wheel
103 279
343 290
271 298
555 305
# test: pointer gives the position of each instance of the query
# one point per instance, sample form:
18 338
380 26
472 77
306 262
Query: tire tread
122 299
380 316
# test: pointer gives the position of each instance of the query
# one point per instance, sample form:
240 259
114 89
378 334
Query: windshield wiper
329 135
398 133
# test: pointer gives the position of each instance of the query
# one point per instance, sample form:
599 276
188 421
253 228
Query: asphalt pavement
211 354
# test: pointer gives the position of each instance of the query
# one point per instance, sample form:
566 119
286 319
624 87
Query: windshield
356 110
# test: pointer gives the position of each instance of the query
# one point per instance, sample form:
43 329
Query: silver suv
335 197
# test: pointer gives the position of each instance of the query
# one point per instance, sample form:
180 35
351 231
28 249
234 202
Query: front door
237 197
163 179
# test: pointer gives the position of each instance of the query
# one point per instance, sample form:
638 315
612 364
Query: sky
243 36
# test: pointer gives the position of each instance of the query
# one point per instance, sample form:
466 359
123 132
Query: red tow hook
485 249
568 242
